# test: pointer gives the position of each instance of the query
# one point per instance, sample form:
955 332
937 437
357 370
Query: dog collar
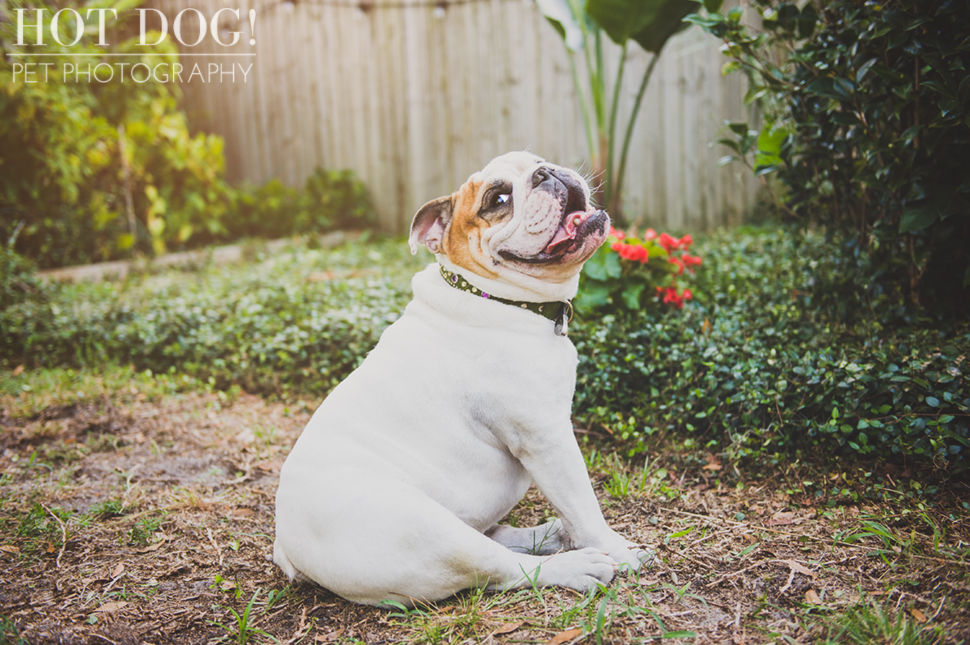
558 311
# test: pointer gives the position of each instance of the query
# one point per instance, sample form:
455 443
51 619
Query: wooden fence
414 96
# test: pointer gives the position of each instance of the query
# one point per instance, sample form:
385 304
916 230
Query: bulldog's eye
496 203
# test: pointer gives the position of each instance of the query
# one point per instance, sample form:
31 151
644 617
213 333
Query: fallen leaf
17 371
162 538
320 277
226 585
9 548
918 615
241 512
246 437
780 518
270 465
796 567
118 570
812 598
508 628
109 607
565 637
332 636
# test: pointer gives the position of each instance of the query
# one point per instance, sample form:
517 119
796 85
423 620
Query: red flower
678 262
632 252
617 234
690 260
686 241
669 243
670 296
649 234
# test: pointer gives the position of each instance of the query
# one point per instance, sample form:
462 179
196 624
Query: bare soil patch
125 520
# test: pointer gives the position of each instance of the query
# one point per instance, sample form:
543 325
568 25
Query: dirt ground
134 520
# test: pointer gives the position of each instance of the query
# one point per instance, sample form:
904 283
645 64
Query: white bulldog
395 487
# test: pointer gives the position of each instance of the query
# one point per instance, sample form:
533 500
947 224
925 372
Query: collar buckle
562 320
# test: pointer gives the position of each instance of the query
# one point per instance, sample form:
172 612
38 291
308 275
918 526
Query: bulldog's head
521 221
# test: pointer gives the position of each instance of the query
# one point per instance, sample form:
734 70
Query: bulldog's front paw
581 570
627 555
631 557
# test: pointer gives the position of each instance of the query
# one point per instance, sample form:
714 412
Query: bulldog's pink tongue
567 230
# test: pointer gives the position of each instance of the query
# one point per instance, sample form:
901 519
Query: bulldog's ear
428 226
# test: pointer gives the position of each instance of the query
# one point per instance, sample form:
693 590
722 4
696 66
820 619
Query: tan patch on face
463 240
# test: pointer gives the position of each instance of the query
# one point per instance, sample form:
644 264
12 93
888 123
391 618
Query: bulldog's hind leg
388 541
544 539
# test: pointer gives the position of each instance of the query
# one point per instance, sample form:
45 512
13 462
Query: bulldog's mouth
568 228
573 230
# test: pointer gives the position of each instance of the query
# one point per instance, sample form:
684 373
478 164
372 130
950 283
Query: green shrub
93 171
17 279
757 369
866 123
329 199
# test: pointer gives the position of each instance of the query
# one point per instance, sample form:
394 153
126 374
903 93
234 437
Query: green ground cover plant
297 321
761 363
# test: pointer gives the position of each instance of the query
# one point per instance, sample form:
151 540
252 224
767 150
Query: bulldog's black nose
541 175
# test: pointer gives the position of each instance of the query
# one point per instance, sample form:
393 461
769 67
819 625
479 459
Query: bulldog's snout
561 184
544 174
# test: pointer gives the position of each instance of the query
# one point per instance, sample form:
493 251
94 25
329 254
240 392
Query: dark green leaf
807 20
923 213
631 295
648 22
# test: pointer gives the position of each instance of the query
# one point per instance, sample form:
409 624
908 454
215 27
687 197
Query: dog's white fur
394 489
